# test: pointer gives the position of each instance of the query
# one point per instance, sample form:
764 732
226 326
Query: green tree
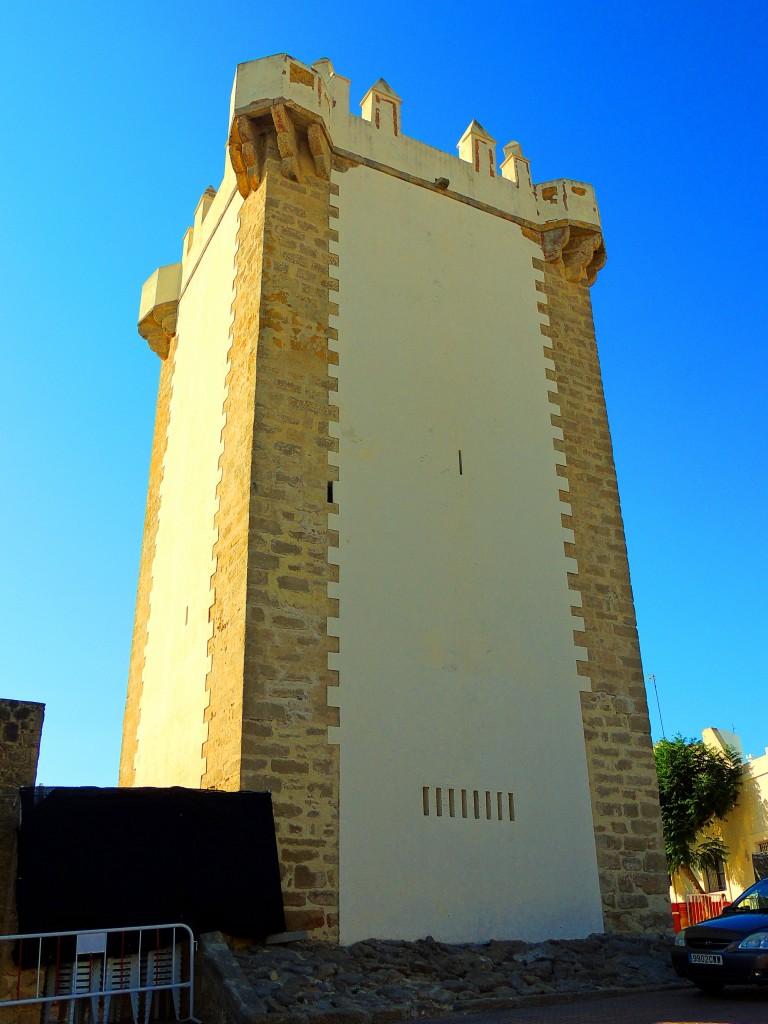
698 785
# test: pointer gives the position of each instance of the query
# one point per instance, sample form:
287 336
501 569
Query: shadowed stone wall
21 724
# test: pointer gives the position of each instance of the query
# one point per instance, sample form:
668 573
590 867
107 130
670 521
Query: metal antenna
652 679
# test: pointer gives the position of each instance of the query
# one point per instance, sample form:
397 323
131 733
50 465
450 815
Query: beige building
384 573
745 830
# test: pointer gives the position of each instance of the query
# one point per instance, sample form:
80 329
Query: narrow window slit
481 804
461 464
330 492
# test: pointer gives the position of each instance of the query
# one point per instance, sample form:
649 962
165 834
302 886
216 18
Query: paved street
671 1006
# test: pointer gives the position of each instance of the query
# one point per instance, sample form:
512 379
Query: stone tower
384 572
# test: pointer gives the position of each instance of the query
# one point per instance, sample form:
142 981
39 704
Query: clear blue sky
113 121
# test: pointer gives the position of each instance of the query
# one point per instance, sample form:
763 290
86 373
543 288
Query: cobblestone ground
373 982
738 1005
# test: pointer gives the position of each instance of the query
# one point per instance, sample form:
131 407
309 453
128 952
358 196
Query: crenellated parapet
298 117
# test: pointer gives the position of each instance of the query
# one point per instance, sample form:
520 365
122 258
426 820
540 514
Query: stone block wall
223 749
21 724
622 773
268 714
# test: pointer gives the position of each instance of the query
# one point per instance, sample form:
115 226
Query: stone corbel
249 147
581 251
159 326
278 131
320 150
599 256
287 142
553 241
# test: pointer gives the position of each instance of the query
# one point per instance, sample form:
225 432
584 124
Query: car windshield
752 900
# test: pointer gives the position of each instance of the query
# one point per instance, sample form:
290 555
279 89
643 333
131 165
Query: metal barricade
84 971
702 906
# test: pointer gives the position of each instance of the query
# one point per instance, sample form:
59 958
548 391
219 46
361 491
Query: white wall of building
457 660
171 727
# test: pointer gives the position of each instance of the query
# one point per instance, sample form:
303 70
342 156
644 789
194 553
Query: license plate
705 958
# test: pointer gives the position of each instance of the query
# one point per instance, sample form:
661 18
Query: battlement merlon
309 106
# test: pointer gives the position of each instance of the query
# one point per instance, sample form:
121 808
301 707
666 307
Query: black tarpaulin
112 858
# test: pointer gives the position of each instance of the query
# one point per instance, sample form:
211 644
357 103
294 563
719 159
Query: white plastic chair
85 977
122 972
58 982
163 967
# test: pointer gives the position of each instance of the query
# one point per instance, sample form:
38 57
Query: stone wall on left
21 724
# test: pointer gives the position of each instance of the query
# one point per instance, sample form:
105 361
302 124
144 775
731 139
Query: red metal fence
698 907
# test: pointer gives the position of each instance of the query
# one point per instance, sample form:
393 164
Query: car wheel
709 986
